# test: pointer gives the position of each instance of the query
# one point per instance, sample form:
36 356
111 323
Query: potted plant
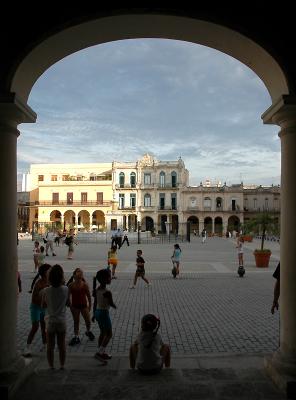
263 222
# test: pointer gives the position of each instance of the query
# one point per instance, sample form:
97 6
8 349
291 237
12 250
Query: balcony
76 203
167 208
147 208
125 186
127 208
193 208
167 185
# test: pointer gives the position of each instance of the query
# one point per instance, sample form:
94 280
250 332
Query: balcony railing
125 186
73 203
127 208
167 208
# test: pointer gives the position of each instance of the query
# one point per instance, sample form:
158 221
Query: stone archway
194 224
18 80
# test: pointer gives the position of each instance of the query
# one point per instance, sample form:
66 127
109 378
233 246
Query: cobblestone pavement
209 309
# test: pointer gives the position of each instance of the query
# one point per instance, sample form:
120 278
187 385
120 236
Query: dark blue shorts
103 319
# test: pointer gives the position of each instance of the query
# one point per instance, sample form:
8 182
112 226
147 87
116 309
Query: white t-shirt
150 358
56 299
50 236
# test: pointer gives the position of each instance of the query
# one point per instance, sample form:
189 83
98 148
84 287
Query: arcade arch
56 46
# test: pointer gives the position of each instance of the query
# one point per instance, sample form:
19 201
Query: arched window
162 179
133 179
174 179
121 179
147 200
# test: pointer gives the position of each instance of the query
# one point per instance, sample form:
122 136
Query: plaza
209 309
214 321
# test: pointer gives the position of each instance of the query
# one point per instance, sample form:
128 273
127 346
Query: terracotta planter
262 258
248 238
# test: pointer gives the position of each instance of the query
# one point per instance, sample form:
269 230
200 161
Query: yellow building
71 195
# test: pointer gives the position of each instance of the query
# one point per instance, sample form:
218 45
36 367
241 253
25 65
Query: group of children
50 298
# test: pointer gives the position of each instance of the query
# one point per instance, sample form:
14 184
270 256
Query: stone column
283 362
12 113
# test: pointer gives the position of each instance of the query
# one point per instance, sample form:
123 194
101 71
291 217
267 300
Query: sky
120 100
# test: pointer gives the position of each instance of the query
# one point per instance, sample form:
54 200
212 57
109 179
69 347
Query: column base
14 375
282 370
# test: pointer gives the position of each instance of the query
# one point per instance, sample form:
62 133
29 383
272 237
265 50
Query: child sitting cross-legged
148 353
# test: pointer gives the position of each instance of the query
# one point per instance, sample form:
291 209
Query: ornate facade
152 194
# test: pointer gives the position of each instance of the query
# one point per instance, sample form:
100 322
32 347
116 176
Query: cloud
118 100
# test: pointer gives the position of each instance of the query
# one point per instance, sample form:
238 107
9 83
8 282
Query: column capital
14 111
282 112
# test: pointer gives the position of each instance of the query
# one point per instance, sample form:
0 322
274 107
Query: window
133 180
193 202
133 200
147 200
266 204
121 200
65 177
70 198
174 201
54 178
207 203
147 179
174 179
121 179
161 201
84 198
40 178
255 204
162 179
55 198
100 198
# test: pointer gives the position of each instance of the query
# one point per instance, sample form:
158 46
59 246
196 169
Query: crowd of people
51 296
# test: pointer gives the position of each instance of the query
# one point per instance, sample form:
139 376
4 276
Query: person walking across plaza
125 238
50 236
113 260
37 311
140 272
148 353
240 250
176 260
55 298
36 251
80 303
102 302
203 236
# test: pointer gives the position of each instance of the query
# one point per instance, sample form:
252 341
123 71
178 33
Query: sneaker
28 350
132 287
101 358
54 254
90 335
46 255
75 340
106 356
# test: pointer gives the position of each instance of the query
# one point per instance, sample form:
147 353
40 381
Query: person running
55 298
148 352
176 260
240 250
80 303
36 251
37 311
113 260
69 241
140 272
102 302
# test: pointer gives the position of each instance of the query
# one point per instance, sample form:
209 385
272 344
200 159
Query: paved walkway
218 325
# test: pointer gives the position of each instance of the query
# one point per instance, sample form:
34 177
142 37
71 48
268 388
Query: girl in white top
56 298
148 352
